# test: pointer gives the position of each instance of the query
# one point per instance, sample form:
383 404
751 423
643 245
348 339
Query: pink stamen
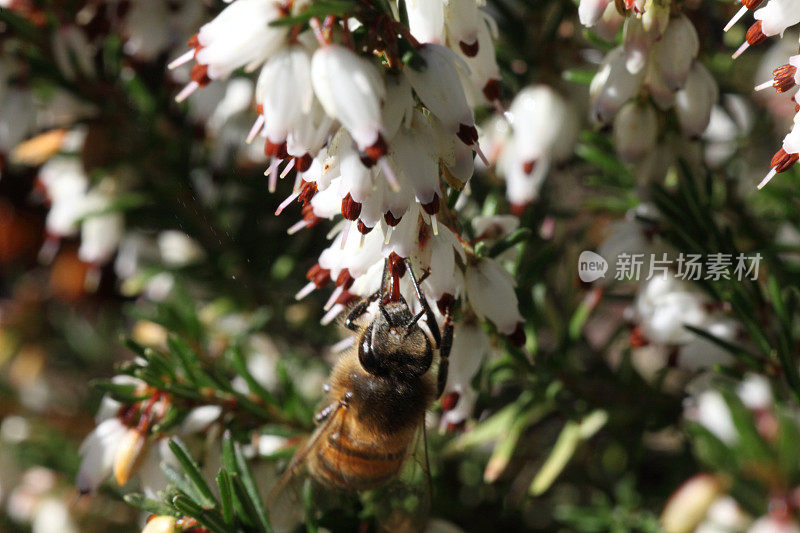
736 18
332 300
768 178
191 87
288 168
740 51
332 314
297 227
318 33
284 204
480 153
389 174
272 174
765 85
181 60
345 233
257 125
305 291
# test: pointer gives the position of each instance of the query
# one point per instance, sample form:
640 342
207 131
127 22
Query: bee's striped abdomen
343 462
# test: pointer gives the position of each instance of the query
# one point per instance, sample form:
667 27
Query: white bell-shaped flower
284 93
101 230
439 87
463 20
351 88
490 291
445 276
240 36
98 452
777 15
426 20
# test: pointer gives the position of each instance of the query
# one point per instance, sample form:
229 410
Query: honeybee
378 391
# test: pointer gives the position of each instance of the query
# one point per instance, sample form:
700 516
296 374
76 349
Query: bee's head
394 344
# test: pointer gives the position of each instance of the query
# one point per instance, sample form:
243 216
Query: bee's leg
326 412
430 318
444 352
361 307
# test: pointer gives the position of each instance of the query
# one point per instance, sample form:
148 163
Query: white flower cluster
78 208
775 18
702 504
538 131
654 69
664 304
376 142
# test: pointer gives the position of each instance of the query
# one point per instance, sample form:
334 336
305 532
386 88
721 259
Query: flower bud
694 102
612 86
160 524
590 11
689 504
131 452
635 131
676 51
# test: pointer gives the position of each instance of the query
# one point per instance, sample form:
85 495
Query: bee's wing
296 464
404 504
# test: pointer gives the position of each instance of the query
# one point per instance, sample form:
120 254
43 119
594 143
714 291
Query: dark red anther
199 74
467 134
755 35
303 162
194 41
446 303
389 218
350 208
377 150
363 228
492 90
397 266
344 279
517 337
751 4
346 298
637 338
307 192
318 276
783 161
450 401
518 209
784 78
452 428
527 166
260 109
309 216
276 149
470 50
432 207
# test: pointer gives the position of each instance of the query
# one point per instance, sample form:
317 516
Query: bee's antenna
414 321
385 314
